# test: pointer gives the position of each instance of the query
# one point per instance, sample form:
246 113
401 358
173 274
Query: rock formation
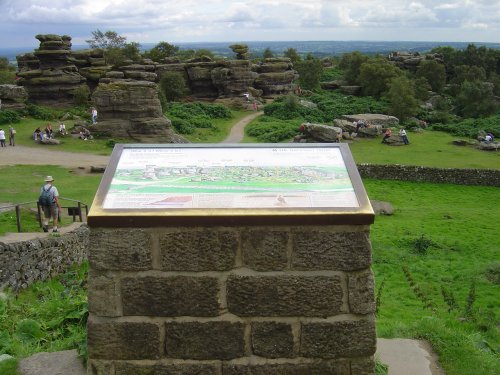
52 72
411 60
12 96
131 109
275 76
57 76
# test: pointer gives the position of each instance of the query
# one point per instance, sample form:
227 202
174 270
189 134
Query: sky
153 21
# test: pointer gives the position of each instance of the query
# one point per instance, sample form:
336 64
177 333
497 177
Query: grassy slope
461 222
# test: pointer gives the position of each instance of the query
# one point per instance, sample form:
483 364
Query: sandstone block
103 295
211 340
284 296
125 340
272 339
338 339
265 250
170 296
207 250
361 293
344 251
120 249
127 368
363 366
316 368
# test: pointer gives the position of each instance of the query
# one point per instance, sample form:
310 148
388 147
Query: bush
41 113
471 127
9 117
272 130
330 105
173 85
182 126
81 95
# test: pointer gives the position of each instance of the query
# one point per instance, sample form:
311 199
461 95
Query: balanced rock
57 77
131 109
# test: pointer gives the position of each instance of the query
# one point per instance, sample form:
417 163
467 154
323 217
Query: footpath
403 356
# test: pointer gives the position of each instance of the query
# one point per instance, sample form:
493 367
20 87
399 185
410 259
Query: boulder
394 140
321 132
131 109
382 208
332 85
488 146
351 90
50 141
373 118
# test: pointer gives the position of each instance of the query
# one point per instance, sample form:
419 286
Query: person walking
404 137
12 136
2 138
49 201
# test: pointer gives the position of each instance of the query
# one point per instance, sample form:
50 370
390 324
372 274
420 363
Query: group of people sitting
488 138
361 124
48 132
402 135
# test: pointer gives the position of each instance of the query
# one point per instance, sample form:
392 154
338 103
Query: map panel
263 177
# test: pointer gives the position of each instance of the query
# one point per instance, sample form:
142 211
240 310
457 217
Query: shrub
9 117
81 95
272 130
182 126
41 113
173 85
471 127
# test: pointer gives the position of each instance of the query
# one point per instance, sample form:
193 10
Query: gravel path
49 156
238 130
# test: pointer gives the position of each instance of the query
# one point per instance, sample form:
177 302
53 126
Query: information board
197 180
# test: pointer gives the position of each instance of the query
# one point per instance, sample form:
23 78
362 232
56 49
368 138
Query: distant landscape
317 48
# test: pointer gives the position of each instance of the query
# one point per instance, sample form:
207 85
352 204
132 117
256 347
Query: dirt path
48 156
238 130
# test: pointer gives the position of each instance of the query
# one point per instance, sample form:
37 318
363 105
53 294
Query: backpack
46 198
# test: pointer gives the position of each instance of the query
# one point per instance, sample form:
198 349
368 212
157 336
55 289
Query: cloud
192 20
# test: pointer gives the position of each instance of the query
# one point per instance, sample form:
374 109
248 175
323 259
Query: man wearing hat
49 199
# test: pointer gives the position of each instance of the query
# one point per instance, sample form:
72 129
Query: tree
267 54
292 54
161 51
351 64
475 99
468 73
401 96
375 76
434 73
422 88
310 71
173 85
106 40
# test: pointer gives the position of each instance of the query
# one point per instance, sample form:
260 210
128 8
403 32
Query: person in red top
387 134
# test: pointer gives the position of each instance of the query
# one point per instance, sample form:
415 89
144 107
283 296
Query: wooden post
18 218
79 211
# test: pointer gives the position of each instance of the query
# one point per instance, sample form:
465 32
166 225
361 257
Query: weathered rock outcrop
275 76
56 78
130 108
52 73
12 96
411 60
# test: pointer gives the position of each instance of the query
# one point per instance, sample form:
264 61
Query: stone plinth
226 291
